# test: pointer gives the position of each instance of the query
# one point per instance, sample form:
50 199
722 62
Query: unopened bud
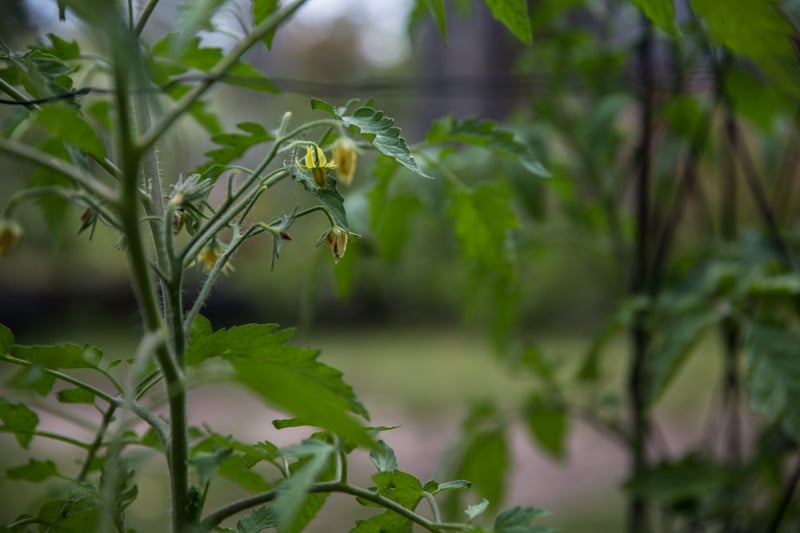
337 242
344 154
10 232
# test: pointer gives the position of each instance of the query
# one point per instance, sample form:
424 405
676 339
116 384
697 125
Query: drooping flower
316 162
336 239
10 233
345 157
209 256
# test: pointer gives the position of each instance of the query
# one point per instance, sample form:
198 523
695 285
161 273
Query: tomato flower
209 256
316 162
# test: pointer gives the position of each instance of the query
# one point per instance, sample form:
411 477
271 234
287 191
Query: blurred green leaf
485 133
660 12
387 522
232 147
483 218
474 511
262 9
68 125
392 225
742 84
435 487
383 457
18 419
547 420
35 471
378 129
437 9
517 520
69 515
33 378
676 339
514 14
58 47
773 374
63 356
207 463
6 339
75 396
293 491
669 483
257 521
288 377
193 16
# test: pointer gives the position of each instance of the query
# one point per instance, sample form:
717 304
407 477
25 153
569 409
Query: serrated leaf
660 12
75 396
485 133
262 9
474 511
68 125
379 130
18 419
517 520
773 374
233 146
62 356
547 420
436 7
285 376
257 521
292 492
35 471
514 14
383 457
483 218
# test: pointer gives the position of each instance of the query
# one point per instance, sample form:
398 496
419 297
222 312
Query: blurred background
403 322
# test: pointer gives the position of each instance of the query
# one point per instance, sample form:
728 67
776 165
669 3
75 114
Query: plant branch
786 500
224 65
48 435
214 518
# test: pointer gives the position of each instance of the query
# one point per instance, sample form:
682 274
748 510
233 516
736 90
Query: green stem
85 181
108 416
224 65
48 435
216 517
147 10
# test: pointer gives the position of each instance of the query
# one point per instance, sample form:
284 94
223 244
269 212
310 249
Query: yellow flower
209 256
337 242
344 154
317 163
10 233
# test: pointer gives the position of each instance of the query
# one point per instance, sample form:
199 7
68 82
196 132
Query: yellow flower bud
209 256
316 162
344 154
337 242
10 233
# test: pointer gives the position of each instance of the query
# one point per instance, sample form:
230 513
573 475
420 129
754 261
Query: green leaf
383 457
474 511
293 491
55 208
773 374
75 396
400 487
670 483
517 520
547 420
18 419
485 133
674 345
514 14
378 129
262 9
756 29
483 458
257 521
71 515
483 219
63 356
33 378
435 487
35 471
206 464
660 12
288 377
387 522
193 16
68 125
236 468
6 339
233 146
393 222
436 7
58 47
